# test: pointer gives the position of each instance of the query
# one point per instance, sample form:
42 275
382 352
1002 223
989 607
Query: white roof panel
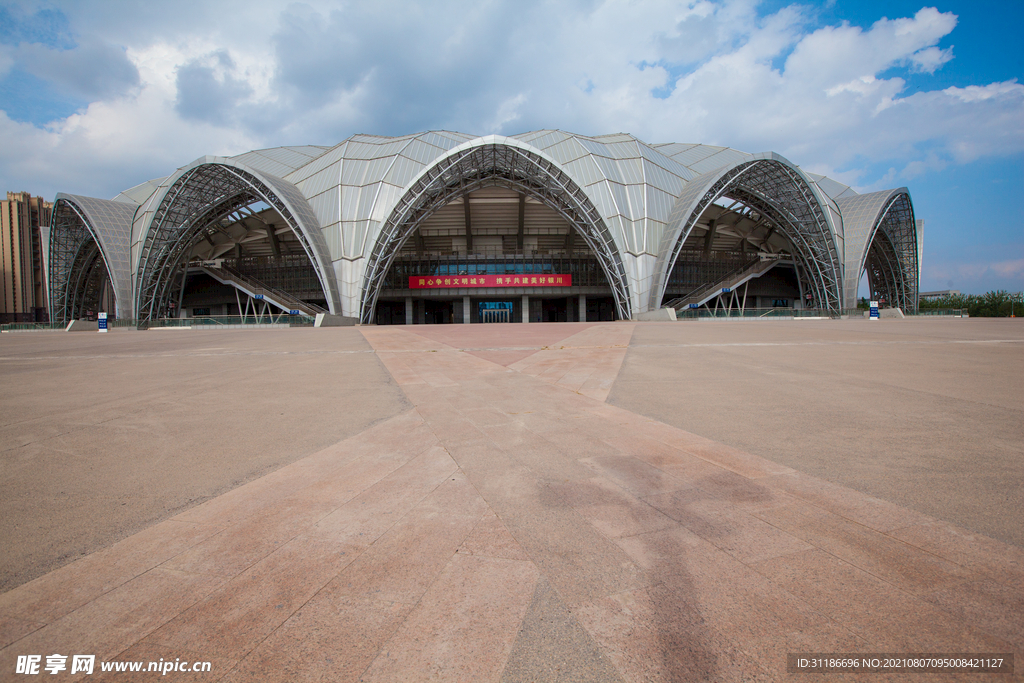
726 157
666 162
318 164
353 171
631 171
621 198
592 146
637 201
623 150
362 150
423 153
566 151
613 138
321 181
609 168
831 187
544 140
377 169
584 171
327 206
404 170
141 192
263 164
695 154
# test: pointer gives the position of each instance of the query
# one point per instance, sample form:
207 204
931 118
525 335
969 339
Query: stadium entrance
494 222
224 241
494 255
495 311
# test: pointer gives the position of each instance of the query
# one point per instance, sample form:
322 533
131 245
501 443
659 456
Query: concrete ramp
82 326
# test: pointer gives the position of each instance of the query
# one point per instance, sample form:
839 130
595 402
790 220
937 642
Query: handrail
258 287
708 286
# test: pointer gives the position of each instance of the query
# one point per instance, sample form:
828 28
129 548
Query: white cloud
975 93
930 59
6 59
1014 268
932 162
92 70
224 77
973 276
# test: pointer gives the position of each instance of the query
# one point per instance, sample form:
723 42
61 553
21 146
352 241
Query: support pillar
709 238
522 223
526 308
408 310
583 308
465 310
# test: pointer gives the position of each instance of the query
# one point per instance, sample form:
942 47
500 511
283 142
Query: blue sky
97 97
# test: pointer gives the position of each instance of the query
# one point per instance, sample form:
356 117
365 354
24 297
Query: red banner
513 280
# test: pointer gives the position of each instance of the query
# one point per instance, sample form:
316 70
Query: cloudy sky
98 95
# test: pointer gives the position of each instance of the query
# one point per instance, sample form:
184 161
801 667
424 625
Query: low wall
662 314
329 320
82 326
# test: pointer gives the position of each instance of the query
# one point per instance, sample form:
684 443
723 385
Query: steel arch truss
77 267
780 194
487 166
192 209
891 261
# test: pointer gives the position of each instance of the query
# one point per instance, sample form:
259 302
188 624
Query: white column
583 308
465 309
526 308
408 310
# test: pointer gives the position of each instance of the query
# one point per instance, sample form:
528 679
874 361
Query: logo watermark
35 665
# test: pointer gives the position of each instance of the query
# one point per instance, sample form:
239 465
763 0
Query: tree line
995 304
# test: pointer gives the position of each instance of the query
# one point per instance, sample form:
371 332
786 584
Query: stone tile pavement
513 526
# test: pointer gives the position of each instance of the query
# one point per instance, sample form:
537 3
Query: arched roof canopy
90 240
882 239
486 162
775 188
188 206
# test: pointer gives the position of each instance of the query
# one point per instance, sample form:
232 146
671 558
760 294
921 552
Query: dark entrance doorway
438 312
600 308
554 310
390 312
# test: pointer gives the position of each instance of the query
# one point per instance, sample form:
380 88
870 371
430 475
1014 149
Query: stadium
442 227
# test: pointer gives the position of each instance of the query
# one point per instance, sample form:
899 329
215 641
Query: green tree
995 304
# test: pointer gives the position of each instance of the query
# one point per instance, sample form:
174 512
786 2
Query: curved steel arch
194 201
891 259
882 239
779 191
884 277
89 242
486 165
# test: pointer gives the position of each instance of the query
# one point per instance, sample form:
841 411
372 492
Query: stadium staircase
748 271
258 290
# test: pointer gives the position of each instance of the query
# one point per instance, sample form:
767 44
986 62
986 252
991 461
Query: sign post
873 314
102 322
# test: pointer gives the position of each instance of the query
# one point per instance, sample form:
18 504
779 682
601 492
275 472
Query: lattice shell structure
351 207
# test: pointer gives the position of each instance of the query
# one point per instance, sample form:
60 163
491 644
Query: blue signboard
294 311
726 290
873 315
694 305
258 297
102 322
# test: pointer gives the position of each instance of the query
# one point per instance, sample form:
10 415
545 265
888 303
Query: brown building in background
22 288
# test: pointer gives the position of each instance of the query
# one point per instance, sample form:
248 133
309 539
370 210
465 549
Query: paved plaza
541 502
